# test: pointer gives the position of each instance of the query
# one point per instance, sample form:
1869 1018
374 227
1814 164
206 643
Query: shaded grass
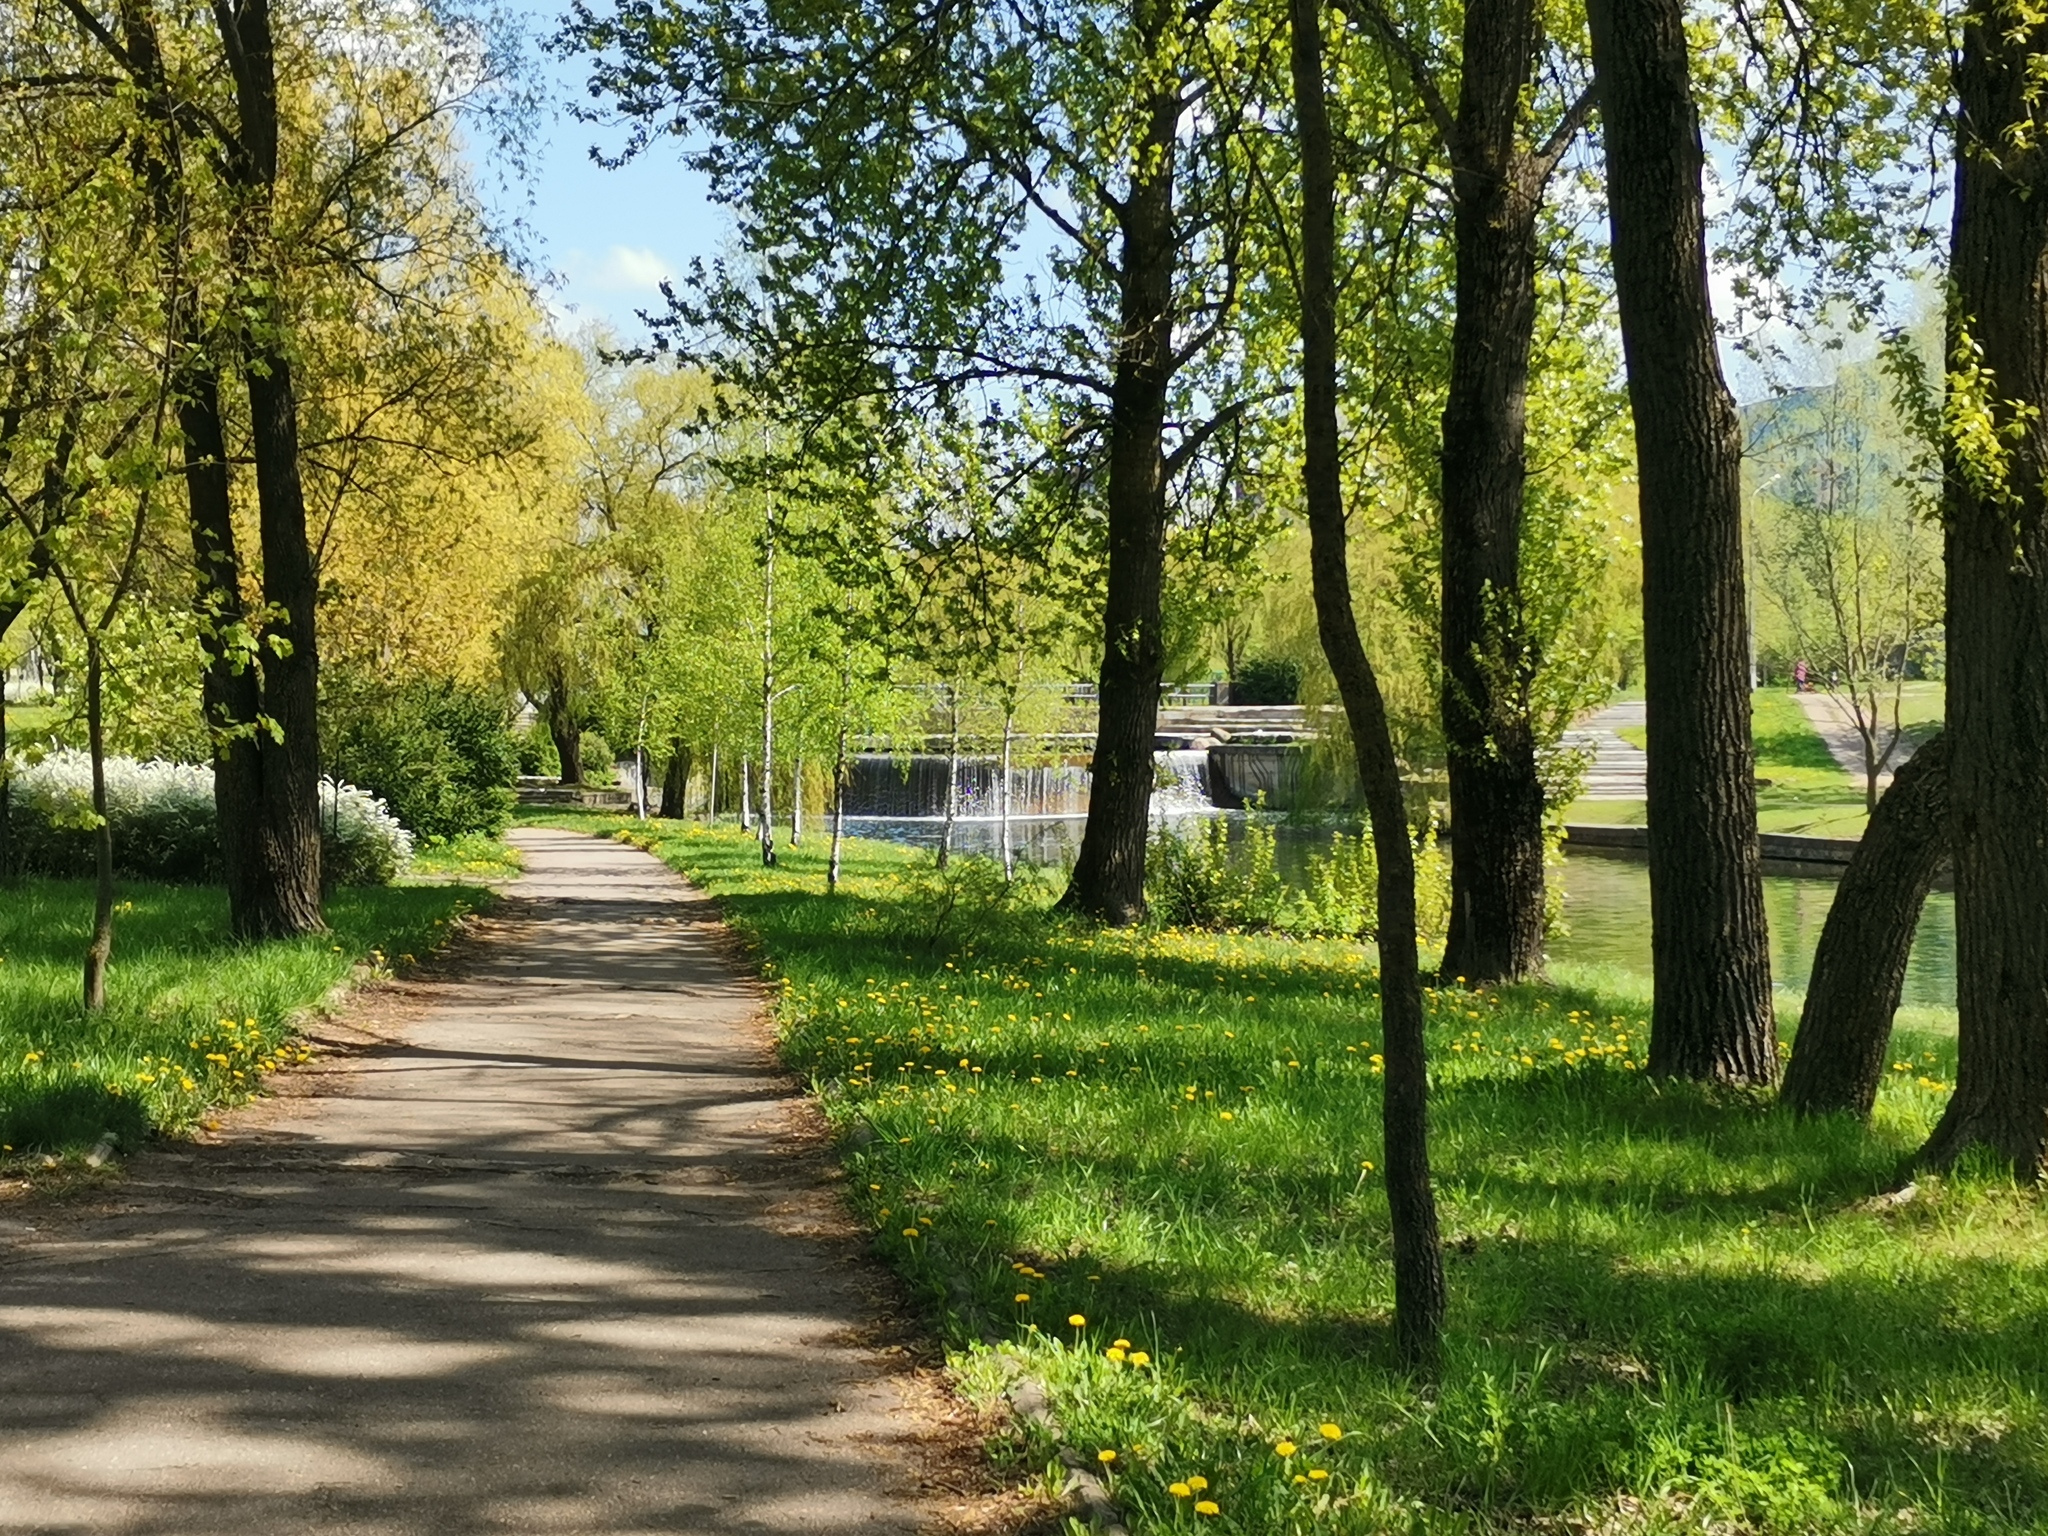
1671 1308
194 1019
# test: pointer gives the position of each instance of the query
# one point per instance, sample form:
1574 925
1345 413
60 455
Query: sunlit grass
1671 1309
472 856
194 1020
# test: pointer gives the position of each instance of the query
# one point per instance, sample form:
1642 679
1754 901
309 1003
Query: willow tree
944 207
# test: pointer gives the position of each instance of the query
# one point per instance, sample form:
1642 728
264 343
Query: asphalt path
552 1253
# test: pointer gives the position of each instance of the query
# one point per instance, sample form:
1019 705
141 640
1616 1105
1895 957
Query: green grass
473 856
1670 1309
194 1020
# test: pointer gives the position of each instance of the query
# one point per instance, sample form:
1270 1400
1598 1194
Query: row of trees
272 393
1153 259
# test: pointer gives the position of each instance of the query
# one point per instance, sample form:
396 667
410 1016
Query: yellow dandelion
1207 1507
1076 1320
1286 1448
1330 1432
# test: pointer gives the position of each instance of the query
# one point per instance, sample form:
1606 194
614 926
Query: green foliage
1672 1309
1222 875
537 755
182 992
1267 680
438 752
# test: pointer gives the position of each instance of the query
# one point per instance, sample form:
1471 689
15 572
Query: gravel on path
553 1256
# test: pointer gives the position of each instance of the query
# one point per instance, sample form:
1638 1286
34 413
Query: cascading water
1181 783
881 786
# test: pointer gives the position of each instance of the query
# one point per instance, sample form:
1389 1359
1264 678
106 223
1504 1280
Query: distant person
1799 676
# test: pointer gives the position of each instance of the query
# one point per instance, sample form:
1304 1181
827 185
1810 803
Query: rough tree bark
1108 882
1496 928
1859 966
284 898
565 730
1995 516
1419 1294
1709 946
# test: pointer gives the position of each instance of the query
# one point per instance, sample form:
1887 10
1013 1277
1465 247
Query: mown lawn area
194 1020
1140 1167
472 856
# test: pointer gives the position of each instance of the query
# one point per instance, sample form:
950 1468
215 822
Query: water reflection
1607 900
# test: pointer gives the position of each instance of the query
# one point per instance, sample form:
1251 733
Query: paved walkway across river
555 1256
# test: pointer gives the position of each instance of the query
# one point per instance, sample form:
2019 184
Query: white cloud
622 269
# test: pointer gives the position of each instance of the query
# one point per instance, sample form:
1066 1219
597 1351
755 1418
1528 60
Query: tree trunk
1009 855
1709 946
746 795
288 833
839 765
796 801
768 700
1995 519
952 802
1419 1294
1859 967
228 687
286 898
565 729
101 947
1108 882
711 789
1496 929
675 781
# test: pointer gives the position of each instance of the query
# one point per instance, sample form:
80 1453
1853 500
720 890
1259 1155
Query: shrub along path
556 1259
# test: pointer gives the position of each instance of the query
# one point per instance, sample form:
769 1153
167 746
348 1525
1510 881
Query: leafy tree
1419 1292
890 157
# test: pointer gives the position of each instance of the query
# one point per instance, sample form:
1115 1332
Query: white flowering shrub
162 815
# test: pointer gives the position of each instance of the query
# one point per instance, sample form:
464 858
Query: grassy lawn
194 1020
1140 1167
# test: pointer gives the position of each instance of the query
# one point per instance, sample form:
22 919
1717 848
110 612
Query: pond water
1607 900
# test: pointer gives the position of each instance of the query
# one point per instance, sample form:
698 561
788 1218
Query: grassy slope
193 1019
1668 1309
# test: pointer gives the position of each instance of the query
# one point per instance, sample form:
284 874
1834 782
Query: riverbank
194 1019
1670 1309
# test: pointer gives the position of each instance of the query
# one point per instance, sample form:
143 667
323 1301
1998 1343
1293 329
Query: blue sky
608 237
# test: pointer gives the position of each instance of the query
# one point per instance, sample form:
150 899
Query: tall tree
889 157
1709 945
1419 1294
1501 162
1995 516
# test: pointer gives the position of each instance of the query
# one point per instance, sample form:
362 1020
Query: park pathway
1616 768
1837 727
556 1258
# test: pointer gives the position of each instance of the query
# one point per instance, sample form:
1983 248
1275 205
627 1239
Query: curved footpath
553 1257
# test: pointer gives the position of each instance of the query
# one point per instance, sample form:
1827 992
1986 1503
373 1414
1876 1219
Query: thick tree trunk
288 830
1496 929
1419 1295
99 950
565 730
1996 523
1709 946
1859 967
229 693
675 781
1109 870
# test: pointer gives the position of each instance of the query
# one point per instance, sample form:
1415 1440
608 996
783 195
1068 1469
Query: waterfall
912 787
1182 782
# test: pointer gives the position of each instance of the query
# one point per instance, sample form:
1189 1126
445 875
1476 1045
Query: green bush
537 755
1267 680
600 762
440 754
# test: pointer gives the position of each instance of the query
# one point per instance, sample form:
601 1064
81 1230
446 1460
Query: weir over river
1606 906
